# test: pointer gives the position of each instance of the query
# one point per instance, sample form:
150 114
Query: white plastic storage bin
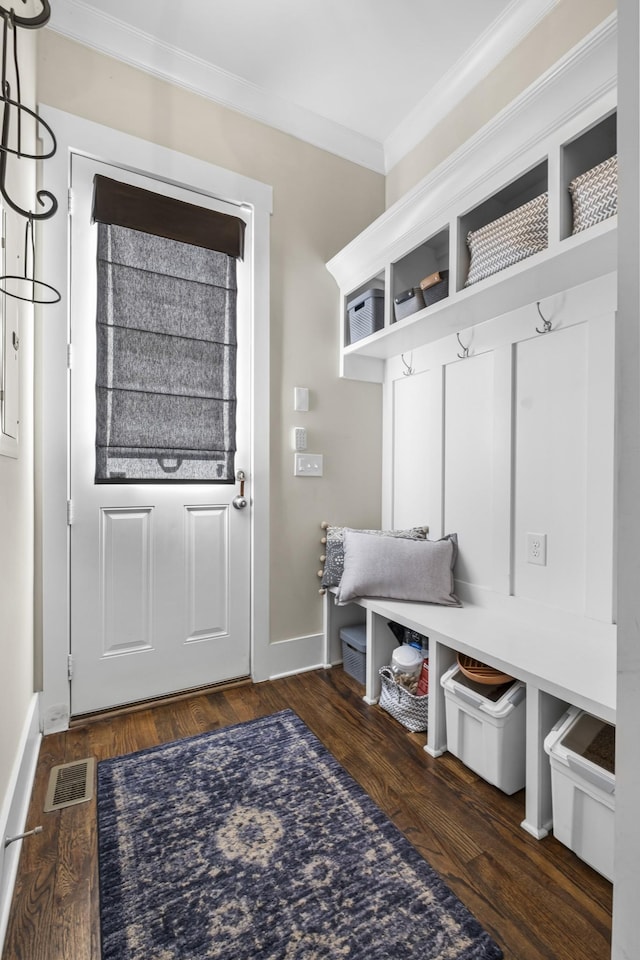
583 788
486 728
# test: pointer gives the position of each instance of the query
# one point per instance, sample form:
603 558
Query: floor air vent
70 783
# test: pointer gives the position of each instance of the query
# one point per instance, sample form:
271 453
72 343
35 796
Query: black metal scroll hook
25 287
43 197
34 22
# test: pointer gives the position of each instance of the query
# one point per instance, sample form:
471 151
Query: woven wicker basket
594 195
480 672
410 710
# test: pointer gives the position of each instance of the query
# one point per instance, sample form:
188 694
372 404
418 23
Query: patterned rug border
483 948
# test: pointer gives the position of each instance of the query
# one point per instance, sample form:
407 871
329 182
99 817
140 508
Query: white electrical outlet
537 548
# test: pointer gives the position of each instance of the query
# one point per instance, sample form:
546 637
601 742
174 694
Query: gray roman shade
166 338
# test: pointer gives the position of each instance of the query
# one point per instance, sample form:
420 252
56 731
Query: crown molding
106 34
491 47
577 83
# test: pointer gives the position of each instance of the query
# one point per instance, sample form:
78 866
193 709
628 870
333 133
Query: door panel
125 580
160 580
206 571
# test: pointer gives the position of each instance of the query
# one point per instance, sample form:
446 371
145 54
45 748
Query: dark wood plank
536 898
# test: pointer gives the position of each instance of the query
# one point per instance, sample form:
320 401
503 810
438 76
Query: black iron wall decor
24 287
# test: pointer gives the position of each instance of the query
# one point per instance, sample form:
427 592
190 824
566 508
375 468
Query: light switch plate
307 465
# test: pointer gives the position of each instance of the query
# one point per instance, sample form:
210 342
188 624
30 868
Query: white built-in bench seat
563 659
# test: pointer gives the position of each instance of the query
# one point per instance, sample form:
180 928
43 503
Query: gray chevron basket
411 710
594 195
509 239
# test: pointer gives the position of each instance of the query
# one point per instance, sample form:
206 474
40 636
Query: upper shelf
559 129
573 261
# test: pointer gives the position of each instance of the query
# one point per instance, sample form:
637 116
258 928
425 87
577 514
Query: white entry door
160 572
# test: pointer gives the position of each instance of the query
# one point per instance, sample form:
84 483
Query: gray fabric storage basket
366 314
407 303
354 651
437 291
594 195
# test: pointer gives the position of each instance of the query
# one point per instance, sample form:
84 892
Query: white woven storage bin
594 195
410 710
509 239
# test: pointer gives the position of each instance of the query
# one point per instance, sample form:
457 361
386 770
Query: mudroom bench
563 659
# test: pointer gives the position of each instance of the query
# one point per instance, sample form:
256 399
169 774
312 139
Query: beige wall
320 203
562 29
16 484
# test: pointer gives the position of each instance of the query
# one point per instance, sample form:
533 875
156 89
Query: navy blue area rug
253 842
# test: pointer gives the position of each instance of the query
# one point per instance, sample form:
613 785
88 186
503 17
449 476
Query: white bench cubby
562 659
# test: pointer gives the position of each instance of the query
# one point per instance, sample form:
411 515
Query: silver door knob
240 501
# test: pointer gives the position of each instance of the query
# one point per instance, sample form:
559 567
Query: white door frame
52 588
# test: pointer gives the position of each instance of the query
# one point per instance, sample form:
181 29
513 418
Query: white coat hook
547 325
407 372
465 350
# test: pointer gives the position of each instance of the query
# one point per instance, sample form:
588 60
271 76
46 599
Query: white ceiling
366 79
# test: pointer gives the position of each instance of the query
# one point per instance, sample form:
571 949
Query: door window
166 340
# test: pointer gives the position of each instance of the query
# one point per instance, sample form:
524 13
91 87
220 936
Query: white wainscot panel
469 465
551 466
126 579
417 451
207 571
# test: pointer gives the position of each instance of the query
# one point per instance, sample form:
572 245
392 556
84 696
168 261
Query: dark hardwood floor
536 898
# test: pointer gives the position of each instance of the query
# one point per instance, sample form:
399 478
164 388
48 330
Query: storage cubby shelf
537 145
571 262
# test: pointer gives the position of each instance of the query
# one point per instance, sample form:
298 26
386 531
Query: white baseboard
297 655
15 807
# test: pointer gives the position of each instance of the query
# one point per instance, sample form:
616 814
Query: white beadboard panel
551 422
207 571
126 579
469 465
417 451
550 400
600 513
503 384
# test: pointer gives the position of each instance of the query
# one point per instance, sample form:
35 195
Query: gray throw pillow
334 548
398 569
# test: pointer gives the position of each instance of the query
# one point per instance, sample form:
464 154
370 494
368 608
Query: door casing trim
52 588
